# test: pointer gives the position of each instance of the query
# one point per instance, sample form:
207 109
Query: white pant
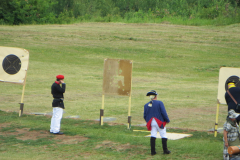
56 119
155 129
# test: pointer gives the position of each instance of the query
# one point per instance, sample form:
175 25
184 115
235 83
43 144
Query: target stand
117 80
14 68
226 74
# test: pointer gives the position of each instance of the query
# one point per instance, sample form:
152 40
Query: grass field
180 62
27 138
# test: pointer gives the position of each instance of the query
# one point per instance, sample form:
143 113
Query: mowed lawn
180 62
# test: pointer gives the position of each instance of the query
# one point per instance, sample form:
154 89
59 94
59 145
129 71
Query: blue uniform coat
157 111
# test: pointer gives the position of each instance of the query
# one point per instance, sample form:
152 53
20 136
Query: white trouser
56 119
155 129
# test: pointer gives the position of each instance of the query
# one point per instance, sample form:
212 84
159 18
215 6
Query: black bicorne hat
152 92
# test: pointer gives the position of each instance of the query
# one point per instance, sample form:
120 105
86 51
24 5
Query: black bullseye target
14 67
11 64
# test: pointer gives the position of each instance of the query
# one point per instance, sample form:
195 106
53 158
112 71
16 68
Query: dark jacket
235 92
57 92
157 111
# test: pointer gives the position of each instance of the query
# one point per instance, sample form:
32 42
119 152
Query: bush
16 12
209 13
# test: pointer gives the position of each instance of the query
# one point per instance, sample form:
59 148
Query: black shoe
59 133
153 154
166 152
152 143
164 145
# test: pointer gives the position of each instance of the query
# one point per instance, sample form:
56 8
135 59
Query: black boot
164 145
152 143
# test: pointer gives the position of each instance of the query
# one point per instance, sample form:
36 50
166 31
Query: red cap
60 76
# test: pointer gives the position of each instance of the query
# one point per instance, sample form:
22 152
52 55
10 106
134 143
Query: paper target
14 64
117 77
226 74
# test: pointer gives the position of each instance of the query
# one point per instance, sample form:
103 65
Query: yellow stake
216 124
102 108
23 93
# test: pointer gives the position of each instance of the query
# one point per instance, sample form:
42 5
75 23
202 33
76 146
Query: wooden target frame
14 66
117 80
225 74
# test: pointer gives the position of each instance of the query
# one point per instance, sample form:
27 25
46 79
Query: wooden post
129 104
129 113
216 123
129 122
102 111
22 104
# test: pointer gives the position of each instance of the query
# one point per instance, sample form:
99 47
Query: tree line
15 12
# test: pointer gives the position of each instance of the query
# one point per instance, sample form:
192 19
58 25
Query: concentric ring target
11 64
234 79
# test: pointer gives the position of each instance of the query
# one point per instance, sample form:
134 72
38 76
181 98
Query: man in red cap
57 90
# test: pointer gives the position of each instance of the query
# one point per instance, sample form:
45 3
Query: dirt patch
26 134
122 147
114 146
113 123
3 125
63 139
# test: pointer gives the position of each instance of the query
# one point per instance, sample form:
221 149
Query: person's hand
226 144
61 81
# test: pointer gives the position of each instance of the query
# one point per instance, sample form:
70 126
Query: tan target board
117 80
117 77
225 73
14 66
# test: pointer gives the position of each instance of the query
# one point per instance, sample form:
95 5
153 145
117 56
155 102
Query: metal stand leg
21 109
129 122
101 117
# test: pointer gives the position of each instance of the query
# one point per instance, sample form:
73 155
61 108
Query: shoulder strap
232 97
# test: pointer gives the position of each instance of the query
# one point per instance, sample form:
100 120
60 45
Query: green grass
100 142
181 62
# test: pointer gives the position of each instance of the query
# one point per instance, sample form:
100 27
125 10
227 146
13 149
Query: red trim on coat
149 127
57 82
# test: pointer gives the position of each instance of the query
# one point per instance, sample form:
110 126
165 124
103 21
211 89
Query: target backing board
14 64
224 74
117 77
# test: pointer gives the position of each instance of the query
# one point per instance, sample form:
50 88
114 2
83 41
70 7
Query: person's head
60 78
152 94
231 84
232 115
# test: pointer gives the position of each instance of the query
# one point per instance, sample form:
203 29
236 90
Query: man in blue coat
235 92
156 117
